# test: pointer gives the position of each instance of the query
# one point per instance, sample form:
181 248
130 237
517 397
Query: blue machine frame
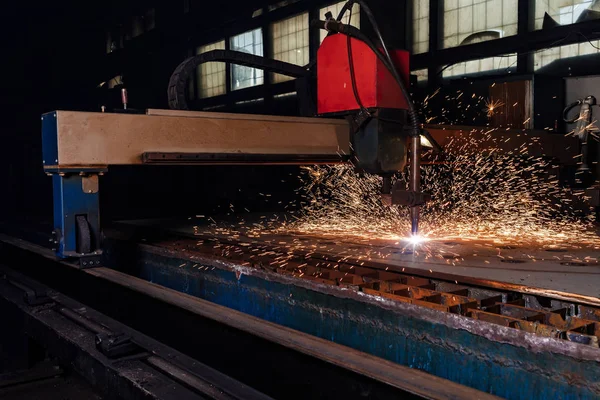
71 201
75 194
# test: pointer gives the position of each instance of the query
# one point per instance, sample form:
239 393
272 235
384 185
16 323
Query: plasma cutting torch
382 116
584 129
360 80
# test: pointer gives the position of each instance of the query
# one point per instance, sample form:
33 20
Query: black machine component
584 126
401 196
84 236
33 293
116 345
378 145
236 158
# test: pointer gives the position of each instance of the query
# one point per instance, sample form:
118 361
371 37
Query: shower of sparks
483 190
506 198
491 106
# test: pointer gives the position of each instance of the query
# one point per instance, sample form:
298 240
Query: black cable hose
351 65
176 91
347 7
569 108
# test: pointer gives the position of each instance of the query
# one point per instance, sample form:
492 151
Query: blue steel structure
75 194
71 201
496 359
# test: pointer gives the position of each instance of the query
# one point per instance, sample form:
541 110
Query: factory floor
25 385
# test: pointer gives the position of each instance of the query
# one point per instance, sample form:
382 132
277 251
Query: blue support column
76 206
76 196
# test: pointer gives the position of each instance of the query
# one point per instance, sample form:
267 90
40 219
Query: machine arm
583 121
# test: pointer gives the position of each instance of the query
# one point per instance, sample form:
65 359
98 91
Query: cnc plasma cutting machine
356 79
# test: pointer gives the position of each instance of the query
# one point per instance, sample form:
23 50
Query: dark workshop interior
300 199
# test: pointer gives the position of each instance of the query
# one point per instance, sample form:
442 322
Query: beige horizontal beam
102 139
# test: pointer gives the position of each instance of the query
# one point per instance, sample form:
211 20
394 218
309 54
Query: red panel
389 95
375 84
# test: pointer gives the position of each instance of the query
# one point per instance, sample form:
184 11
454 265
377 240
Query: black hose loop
569 108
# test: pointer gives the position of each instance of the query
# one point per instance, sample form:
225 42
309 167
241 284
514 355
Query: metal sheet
570 273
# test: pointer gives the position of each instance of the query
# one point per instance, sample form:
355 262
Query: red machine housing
375 84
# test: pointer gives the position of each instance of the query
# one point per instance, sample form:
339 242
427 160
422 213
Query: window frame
536 40
268 90
433 61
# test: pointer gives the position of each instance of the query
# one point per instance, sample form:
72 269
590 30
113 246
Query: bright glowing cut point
416 239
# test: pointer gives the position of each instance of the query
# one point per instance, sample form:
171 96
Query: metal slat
503 308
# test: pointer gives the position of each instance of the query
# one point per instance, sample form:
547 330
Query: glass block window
335 10
289 41
421 75
420 26
545 57
485 64
248 42
472 21
210 76
565 12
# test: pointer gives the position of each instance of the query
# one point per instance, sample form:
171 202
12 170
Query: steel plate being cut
569 272
451 308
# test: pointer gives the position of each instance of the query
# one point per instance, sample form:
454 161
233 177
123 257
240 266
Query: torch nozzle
415 180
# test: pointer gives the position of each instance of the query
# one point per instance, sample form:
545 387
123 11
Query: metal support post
77 217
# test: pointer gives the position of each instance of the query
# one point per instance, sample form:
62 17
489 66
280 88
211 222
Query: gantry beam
83 140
